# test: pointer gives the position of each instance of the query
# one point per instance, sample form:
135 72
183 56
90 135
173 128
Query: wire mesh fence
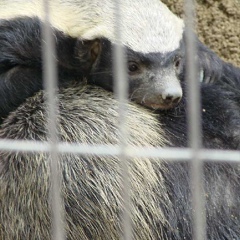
194 153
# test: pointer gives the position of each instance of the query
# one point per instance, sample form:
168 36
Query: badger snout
161 90
172 96
165 99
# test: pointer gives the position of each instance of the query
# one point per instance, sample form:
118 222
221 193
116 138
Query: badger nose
172 96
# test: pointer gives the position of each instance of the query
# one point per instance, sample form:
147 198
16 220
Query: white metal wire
194 126
168 154
50 82
121 89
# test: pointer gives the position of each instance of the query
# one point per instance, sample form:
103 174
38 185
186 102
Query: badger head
153 78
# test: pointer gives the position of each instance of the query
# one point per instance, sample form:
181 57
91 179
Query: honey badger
162 212
160 191
153 77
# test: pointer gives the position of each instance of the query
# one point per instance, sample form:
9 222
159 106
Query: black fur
21 60
215 70
220 118
221 192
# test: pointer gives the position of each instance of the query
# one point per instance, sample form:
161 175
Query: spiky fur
91 184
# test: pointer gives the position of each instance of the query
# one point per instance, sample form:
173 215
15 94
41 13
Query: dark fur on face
21 60
153 78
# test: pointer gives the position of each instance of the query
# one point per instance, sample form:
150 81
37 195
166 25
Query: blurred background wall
218 25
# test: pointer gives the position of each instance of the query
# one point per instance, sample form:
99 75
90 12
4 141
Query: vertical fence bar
121 89
194 125
50 82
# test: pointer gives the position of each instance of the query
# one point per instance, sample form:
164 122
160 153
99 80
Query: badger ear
95 49
88 50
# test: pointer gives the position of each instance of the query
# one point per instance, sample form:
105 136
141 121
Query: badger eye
177 62
133 67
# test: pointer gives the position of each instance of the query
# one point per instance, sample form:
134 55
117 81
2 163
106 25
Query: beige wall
218 25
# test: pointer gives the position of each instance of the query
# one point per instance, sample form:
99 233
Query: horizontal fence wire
167 154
